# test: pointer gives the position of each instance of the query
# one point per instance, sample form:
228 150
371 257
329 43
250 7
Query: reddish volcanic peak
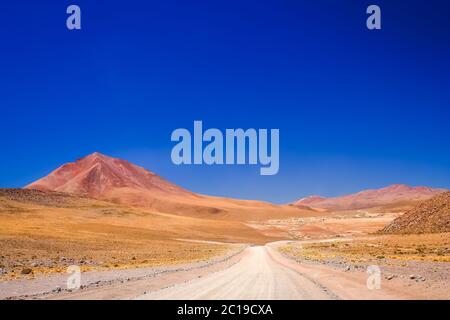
96 174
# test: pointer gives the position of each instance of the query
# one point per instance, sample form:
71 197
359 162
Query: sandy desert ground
132 253
46 235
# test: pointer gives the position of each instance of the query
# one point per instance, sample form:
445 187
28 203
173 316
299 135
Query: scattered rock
57 289
417 278
429 216
26 271
420 278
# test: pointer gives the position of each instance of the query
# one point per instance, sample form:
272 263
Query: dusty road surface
256 276
256 273
264 274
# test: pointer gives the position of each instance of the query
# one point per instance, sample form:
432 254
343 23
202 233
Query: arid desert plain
134 235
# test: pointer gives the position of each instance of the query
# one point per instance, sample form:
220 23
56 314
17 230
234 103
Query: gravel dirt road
256 273
256 276
262 273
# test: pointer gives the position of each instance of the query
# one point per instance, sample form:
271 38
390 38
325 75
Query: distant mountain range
106 178
396 193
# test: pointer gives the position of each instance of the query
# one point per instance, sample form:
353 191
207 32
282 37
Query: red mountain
371 198
97 175
106 178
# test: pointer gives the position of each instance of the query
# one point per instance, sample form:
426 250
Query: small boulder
26 271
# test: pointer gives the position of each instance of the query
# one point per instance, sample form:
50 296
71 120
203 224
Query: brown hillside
431 216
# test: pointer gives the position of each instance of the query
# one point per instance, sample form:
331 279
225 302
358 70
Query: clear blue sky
356 109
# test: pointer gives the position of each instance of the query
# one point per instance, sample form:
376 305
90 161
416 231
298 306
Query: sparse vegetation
37 237
427 247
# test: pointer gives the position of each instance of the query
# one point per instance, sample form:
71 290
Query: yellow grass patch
424 247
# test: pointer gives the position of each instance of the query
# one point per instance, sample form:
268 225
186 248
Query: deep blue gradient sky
356 108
